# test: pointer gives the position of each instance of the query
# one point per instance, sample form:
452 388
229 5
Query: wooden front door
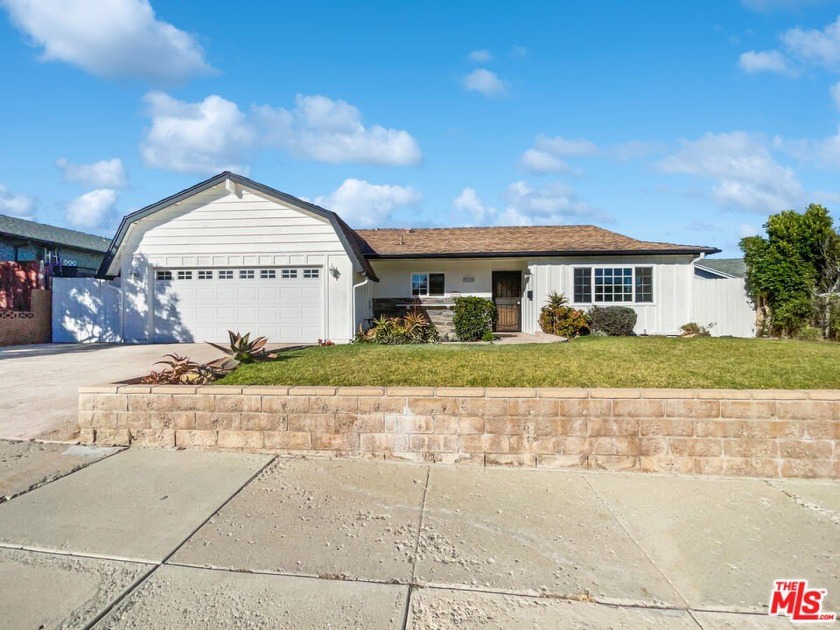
507 296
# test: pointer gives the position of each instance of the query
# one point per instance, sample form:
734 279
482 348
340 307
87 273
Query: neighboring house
230 253
713 268
70 252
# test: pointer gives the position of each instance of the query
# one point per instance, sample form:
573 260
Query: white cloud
206 137
103 174
834 90
215 135
327 130
16 205
93 209
753 62
480 56
537 161
486 82
743 171
552 204
819 47
109 38
824 153
565 147
362 204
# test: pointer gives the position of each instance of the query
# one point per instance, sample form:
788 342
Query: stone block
645 408
285 404
103 402
405 392
692 408
87 435
459 392
562 392
195 438
361 391
377 404
748 409
214 420
171 419
238 403
511 460
748 447
287 440
150 402
253 421
317 423
808 468
335 441
312 391
575 408
240 439
193 402
665 393
161 438
431 406
653 446
134 419
333 404
612 426
408 424
506 426
802 449
614 393
510 392
668 427
360 423
807 410
113 437
384 442
484 443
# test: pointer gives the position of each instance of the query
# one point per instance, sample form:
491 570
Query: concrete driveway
167 538
39 384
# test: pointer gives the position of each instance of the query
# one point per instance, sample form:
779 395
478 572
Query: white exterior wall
723 302
86 310
672 284
224 229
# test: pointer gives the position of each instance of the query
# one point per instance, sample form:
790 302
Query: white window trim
634 302
428 283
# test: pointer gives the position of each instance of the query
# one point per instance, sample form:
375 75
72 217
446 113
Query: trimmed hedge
616 321
474 318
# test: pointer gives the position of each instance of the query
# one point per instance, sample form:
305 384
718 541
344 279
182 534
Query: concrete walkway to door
39 384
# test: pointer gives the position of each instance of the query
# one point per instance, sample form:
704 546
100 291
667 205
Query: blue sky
686 122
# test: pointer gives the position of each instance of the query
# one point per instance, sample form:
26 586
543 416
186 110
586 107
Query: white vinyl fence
724 303
85 310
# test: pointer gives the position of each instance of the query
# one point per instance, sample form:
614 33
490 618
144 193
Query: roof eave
547 254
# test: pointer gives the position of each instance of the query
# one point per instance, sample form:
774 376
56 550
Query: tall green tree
792 266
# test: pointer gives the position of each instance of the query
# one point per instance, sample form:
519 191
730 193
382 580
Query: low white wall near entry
724 302
85 310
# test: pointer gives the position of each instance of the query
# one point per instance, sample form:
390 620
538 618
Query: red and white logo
793 598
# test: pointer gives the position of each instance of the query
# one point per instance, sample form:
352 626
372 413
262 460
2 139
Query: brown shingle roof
507 241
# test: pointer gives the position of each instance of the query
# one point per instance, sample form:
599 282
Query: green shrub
414 327
791 316
616 321
474 316
808 333
833 332
556 318
488 336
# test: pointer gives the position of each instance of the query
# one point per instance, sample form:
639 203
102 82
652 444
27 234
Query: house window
583 284
311 273
427 284
613 284
289 273
246 274
205 275
185 275
163 274
268 274
644 284
225 274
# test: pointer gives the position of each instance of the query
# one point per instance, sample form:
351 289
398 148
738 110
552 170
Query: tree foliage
792 266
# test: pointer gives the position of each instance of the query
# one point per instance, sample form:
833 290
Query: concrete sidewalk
160 539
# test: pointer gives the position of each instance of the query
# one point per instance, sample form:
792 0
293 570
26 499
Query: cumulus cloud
16 205
362 204
109 38
537 161
754 62
93 209
819 47
834 90
824 152
327 130
480 56
103 174
206 137
744 173
215 134
552 204
565 147
486 82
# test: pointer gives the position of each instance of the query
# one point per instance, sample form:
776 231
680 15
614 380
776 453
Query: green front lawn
585 362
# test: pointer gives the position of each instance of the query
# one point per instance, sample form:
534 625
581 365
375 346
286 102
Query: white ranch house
233 254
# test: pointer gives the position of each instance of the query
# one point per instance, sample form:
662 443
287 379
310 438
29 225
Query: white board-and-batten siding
218 228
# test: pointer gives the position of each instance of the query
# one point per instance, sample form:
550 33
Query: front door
507 296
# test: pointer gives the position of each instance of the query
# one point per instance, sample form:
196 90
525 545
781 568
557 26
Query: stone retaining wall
763 433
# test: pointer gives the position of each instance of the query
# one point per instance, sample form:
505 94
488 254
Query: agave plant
244 349
183 370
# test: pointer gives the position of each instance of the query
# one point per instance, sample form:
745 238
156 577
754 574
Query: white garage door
284 304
